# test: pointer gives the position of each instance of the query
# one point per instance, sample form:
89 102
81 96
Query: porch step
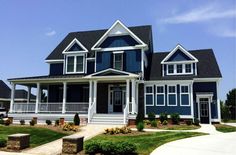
107 119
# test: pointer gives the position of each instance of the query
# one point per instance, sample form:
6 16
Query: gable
179 56
110 73
75 47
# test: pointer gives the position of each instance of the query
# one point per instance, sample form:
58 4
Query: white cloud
223 31
206 13
51 33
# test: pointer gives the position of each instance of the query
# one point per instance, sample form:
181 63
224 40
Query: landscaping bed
225 128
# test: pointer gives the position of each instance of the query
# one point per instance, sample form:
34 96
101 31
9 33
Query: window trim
168 93
122 59
183 69
75 63
181 93
145 93
160 105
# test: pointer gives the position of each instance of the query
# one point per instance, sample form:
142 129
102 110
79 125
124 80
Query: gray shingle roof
207 66
5 91
89 38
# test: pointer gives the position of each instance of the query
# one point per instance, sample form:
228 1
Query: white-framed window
188 68
160 95
172 95
184 95
149 95
179 69
75 64
118 60
170 69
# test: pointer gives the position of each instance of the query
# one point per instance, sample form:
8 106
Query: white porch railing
80 107
91 111
50 108
126 112
24 107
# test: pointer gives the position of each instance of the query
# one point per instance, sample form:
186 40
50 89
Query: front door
204 110
117 101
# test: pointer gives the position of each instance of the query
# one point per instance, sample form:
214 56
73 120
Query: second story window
170 69
179 68
75 64
188 68
118 60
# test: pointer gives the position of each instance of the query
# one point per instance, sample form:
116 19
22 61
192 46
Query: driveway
216 144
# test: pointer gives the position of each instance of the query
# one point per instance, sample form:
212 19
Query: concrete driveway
217 144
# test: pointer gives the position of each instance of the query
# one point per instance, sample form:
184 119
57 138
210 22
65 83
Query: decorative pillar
127 92
64 97
191 99
136 100
218 100
133 95
90 93
13 87
38 98
95 96
29 94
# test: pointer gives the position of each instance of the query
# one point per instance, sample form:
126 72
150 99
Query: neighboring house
108 76
5 96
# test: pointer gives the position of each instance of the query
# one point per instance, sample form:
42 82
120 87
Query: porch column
29 94
90 93
127 92
64 97
38 98
133 95
191 100
136 100
95 96
13 87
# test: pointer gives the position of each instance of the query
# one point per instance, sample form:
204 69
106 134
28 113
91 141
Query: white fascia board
169 82
54 61
71 44
183 50
107 32
206 79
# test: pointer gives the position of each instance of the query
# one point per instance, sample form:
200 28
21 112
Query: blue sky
30 30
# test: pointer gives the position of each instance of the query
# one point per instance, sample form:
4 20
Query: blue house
108 76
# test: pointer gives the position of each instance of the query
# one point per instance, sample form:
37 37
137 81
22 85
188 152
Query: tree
231 103
224 111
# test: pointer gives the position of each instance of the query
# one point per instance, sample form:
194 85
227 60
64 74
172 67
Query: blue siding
90 67
179 56
118 41
56 69
103 61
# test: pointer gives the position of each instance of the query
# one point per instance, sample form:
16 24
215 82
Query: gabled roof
177 49
207 66
89 38
74 42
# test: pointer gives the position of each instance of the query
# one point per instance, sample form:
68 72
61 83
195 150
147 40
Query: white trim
145 93
179 47
181 116
54 61
75 63
122 59
181 93
159 105
142 63
119 48
71 44
90 59
175 69
168 82
107 34
206 79
191 99
117 52
168 93
218 101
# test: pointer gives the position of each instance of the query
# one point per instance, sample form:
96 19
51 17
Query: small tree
139 118
76 119
231 103
225 113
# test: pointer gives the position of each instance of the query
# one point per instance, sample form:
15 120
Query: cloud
223 31
50 33
202 14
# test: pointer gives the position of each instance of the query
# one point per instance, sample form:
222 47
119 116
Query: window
184 96
172 99
170 69
160 95
179 68
188 68
149 98
75 64
118 61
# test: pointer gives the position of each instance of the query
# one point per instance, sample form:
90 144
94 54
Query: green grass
225 128
180 127
38 136
147 142
231 121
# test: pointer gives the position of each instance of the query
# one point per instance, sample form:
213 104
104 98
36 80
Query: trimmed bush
163 117
92 147
22 122
57 122
3 142
175 118
151 116
68 127
123 130
147 122
48 122
1 121
32 122
189 122
165 122
126 148
140 126
76 119
7 122
153 123
196 122
139 118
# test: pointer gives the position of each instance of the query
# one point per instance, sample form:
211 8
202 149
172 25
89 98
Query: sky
30 30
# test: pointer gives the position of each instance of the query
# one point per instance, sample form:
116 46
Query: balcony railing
80 107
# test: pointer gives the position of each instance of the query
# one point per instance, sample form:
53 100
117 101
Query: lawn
179 127
225 128
38 136
146 142
230 121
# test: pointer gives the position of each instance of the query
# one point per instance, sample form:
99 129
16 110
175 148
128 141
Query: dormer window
75 64
188 68
179 68
118 60
170 69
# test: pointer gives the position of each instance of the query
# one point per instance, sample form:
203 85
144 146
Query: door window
204 107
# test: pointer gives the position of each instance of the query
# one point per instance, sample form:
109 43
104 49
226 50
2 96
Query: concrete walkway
231 124
215 144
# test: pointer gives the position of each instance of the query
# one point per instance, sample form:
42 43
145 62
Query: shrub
32 122
68 127
48 122
139 118
7 122
196 121
165 122
22 122
126 148
123 130
151 116
92 147
146 122
1 121
57 122
153 123
76 119
189 122
175 118
140 126
3 142
163 117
